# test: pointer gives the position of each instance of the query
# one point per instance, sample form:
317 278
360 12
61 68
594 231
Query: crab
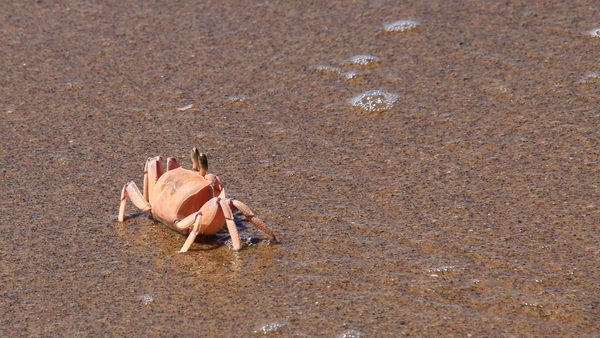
192 202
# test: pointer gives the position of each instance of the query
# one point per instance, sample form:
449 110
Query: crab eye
203 161
195 154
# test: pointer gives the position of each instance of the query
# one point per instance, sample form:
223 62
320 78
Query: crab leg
185 223
200 220
152 172
133 192
188 221
172 163
258 224
233 232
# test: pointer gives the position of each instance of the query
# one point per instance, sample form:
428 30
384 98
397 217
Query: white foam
374 100
401 26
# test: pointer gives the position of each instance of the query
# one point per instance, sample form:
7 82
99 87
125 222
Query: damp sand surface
430 167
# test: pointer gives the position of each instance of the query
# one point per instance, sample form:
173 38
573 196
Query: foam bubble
336 70
401 26
328 69
364 60
268 328
147 299
239 100
442 270
591 78
350 75
374 100
349 334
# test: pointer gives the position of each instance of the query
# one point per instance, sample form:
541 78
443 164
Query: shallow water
467 206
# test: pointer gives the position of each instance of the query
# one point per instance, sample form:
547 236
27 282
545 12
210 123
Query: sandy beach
430 168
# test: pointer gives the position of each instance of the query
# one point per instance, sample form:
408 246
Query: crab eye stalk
203 164
195 155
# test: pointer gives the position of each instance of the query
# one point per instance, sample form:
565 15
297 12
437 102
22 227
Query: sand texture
431 168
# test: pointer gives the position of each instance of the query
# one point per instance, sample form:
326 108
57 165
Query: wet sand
467 205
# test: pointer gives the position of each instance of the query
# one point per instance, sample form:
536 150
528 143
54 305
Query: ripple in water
401 26
374 100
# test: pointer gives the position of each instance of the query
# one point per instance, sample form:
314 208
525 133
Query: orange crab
192 202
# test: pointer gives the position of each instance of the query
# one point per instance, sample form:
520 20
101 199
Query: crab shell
179 193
